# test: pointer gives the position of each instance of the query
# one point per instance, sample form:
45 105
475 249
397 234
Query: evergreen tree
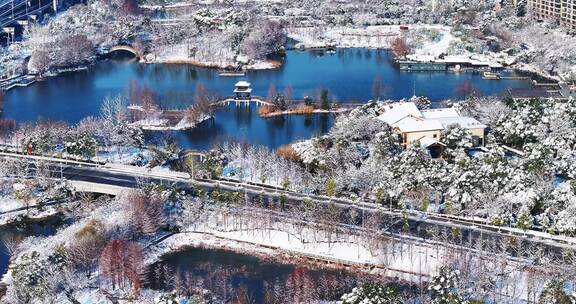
324 102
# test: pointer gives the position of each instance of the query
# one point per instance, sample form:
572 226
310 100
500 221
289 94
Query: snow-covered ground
377 36
152 123
122 155
160 124
180 53
8 204
405 260
296 112
13 205
437 46
32 213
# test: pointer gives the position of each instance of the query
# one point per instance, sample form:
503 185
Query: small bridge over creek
125 48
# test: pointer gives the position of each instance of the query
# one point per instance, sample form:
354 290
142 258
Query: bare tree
272 93
121 265
88 243
267 38
145 212
288 95
113 110
203 100
400 47
148 100
74 49
11 242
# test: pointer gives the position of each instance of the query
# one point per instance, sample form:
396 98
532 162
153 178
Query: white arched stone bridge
126 48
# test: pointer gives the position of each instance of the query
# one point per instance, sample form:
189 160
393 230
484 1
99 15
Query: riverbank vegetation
79 35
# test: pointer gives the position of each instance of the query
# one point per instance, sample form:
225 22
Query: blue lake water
348 74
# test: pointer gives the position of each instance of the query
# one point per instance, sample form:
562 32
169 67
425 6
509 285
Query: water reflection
239 278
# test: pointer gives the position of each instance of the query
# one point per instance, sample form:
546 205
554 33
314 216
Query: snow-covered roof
426 142
242 83
242 59
394 112
439 113
413 124
241 90
421 58
406 117
464 122
455 59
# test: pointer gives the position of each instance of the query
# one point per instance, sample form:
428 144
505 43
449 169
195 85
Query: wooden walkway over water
259 101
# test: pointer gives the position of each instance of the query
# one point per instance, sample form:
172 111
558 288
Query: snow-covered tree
371 294
442 287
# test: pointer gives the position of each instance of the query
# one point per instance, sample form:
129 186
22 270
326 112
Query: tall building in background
563 10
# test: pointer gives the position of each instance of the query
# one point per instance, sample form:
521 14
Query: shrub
88 243
304 109
266 110
554 293
288 153
330 188
33 276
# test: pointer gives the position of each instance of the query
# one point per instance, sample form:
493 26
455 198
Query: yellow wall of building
478 132
412 137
